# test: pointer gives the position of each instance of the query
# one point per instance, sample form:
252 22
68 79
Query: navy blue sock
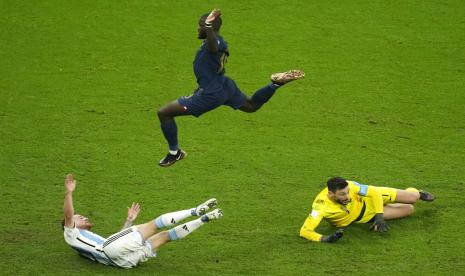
170 130
264 94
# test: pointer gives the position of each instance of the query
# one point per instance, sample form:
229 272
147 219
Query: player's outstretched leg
178 216
181 231
185 229
264 94
169 219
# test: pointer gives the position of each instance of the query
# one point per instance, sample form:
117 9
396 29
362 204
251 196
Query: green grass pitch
382 103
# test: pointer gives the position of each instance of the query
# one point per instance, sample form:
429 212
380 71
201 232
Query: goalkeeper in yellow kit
344 202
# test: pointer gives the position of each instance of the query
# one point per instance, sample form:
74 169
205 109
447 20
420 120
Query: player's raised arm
133 212
70 185
211 29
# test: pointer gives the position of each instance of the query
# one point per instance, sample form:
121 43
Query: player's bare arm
133 212
70 185
212 41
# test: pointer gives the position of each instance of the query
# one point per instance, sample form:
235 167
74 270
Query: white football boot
204 207
215 214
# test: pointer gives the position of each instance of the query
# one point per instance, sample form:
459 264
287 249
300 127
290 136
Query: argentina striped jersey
87 244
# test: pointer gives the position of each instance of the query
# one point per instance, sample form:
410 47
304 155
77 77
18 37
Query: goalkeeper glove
333 237
379 225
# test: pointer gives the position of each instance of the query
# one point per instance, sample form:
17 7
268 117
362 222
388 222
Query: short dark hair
216 24
336 183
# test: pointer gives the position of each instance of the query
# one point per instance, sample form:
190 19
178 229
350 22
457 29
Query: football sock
264 94
173 218
170 131
185 229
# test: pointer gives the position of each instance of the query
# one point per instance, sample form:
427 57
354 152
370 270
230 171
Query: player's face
201 29
82 222
341 196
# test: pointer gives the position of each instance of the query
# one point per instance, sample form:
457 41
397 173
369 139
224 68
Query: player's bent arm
212 40
133 212
127 224
308 229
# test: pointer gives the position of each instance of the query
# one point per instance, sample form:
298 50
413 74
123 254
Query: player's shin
173 218
170 131
264 94
185 229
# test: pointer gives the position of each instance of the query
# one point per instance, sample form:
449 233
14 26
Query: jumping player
133 244
214 88
344 202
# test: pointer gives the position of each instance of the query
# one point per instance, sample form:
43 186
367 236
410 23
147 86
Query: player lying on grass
344 202
133 244
214 88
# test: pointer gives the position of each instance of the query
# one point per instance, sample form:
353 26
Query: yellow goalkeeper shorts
389 196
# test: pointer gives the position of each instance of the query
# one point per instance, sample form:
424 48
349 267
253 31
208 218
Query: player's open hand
70 183
212 16
379 225
133 211
333 237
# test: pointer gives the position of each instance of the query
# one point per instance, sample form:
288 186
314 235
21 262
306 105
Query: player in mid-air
214 88
133 244
344 202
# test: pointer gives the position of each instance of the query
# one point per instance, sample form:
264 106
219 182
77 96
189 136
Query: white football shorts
127 248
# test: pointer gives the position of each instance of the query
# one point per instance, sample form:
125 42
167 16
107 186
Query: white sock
185 229
173 218
173 152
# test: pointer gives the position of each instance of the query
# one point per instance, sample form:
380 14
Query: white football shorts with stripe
127 248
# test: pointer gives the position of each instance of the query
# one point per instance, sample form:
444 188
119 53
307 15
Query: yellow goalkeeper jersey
338 214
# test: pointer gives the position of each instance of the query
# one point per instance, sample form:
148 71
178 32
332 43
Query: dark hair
63 224
216 23
336 183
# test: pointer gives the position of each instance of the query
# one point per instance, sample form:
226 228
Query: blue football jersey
209 66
